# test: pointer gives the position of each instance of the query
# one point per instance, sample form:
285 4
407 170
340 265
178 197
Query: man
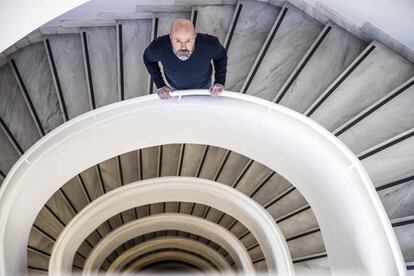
186 59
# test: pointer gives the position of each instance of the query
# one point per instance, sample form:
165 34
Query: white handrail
356 231
176 189
169 243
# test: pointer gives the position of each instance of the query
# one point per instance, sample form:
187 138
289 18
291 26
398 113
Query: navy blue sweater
193 73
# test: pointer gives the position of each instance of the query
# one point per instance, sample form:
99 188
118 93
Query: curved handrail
168 256
176 189
275 136
169 243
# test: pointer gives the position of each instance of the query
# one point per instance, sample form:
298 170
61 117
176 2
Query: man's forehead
183 35
183 26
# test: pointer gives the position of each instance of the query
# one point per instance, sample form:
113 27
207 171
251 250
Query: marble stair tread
256 253
103 63
306 245
163 8
129 165
206 2
272 188
379 73
129 168
252 28
260 266
78 261
398 200
37 260
287 204
212 161
214 20
61 207
319 266
298 223
334 54
33 66
8 154
405 236
68 57
252 177
40 241
136 35
232 169
292 39
394 117
14 111
391 164
110 174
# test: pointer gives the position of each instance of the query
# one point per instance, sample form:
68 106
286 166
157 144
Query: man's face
183 43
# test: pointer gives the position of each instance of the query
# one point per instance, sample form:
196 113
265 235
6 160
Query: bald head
182 38
182 26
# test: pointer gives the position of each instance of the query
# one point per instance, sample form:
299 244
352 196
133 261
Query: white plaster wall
20 17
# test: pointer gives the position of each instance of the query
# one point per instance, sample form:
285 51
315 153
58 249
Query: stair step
214 20
388 117
248 240
318 266
136 35
33 66
150 169
302 222
78 261
307 245
60 207
68 57
392 163
398 200
8 154
37 260
260 266
275 186
163 8
376 75
130 167
287 204
256 253
232 168
40 241
213 161
289 40
251 28
336 51
252 177
14 111
101 47
405 236
169 167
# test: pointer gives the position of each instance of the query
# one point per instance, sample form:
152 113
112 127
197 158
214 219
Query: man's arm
151 62
220 62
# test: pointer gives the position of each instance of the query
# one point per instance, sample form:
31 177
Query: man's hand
164 92
216 89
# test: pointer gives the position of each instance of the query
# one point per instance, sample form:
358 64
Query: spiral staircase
359 90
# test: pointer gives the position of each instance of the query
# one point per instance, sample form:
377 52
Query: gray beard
183 56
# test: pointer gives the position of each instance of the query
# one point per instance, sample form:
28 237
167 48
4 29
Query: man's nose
183 46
